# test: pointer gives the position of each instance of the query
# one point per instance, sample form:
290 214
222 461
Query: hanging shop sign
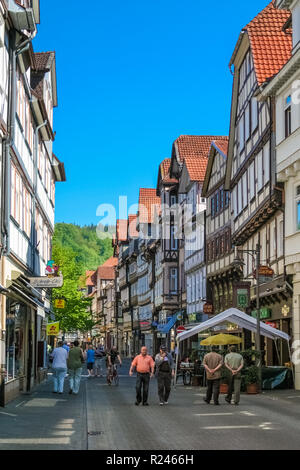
59 303
208 308
241 295
46 282
53 329
264 271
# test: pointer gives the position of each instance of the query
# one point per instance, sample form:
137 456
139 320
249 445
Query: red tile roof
196 168
195 146
222 145
106 272
148 203
271 46
165 171
122 230
112 261
132 231
90 278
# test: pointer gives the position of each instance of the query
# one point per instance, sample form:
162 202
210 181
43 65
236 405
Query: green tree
75 315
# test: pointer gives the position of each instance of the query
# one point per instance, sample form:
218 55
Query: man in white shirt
59 366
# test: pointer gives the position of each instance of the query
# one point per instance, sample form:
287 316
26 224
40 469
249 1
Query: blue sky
132 77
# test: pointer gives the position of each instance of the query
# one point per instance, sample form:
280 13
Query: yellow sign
59 303
53 329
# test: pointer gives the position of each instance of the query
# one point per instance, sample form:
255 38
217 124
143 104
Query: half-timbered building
257 197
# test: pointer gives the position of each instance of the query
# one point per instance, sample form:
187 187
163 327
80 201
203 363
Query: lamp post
255 255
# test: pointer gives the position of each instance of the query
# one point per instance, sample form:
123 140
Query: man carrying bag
165 370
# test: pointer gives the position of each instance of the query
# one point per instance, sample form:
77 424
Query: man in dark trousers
144 365
165 369
213 363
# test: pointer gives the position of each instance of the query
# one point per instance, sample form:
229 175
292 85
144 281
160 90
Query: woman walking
59 366
75 361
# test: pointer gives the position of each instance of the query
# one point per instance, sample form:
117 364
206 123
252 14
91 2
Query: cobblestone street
105 418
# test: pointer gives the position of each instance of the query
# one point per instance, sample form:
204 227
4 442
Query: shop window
15 331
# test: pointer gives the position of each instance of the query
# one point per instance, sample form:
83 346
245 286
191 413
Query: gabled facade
257 198
221 275
29 172
284 89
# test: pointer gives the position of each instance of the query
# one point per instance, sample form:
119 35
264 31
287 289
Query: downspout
35 157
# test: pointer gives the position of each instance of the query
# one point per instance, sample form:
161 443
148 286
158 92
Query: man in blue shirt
90 360
66 347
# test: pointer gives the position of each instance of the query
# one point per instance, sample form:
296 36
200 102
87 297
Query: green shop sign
264 313
242 298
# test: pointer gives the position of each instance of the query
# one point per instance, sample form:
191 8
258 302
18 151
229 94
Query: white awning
233 315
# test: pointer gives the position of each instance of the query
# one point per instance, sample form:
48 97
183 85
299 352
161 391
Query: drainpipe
35 159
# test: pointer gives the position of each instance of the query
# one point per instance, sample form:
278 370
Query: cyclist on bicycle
112 356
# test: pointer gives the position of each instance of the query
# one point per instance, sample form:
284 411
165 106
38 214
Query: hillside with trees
76 249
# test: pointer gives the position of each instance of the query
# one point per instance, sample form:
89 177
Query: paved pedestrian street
105 418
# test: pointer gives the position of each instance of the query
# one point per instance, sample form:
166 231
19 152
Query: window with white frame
173 280
288 116
259 170
252 180
266 163
245 190
254 114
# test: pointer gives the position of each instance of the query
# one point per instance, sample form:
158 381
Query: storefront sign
241 295
242 298
53 329
264 313
264 271
208 308
145 324
59 303
46 282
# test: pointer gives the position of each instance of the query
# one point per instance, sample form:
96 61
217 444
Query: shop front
145 323
278 316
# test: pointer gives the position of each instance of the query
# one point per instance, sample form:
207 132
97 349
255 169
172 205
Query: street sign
180 329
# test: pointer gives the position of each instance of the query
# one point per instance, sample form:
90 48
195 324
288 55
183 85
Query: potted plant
251 380
225 376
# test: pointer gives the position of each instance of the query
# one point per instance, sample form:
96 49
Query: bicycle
112 375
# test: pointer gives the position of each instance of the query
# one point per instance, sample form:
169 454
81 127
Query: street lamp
238 262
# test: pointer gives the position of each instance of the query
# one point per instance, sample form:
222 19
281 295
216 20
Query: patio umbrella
221 340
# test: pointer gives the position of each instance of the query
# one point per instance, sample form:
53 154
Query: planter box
252 389
224 388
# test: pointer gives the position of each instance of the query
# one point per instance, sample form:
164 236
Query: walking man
75 361
234 363
59 366
165 370
99 360
213 363
144 365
